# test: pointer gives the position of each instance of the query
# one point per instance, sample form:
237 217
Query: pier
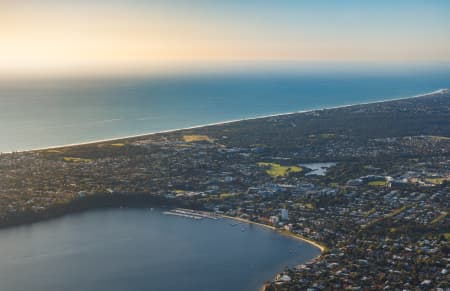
193 214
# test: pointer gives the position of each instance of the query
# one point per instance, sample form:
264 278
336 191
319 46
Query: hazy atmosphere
48 37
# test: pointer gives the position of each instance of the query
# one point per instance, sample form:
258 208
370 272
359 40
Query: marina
193 214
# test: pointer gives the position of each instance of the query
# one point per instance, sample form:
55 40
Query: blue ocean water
49 112
139 249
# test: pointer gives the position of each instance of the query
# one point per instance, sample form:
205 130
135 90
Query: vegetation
396 212
54 151
277 170
372 231
382 183
436 181
439 218
227 195
77 160
197 138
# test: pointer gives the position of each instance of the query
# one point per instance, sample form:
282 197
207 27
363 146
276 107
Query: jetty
189 213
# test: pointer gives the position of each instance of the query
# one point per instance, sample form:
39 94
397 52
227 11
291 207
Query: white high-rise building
284 214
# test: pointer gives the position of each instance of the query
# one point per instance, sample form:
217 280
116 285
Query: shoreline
439 91
318 245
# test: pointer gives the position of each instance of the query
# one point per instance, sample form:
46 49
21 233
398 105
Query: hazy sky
110 35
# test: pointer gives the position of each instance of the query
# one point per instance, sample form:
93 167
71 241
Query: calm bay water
44 113
139 249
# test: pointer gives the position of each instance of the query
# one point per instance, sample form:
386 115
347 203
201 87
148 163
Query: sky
54 37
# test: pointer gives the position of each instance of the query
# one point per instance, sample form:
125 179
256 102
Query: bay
139 249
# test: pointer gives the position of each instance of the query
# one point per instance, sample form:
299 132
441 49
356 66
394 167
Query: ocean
50 112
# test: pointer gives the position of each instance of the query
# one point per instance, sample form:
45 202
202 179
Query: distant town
369 184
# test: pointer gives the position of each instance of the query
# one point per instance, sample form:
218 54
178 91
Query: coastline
439 91
322 248
318 245
417 109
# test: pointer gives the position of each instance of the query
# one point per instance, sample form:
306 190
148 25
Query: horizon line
230 66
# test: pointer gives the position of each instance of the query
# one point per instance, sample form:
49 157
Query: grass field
439 218
436 181
54 151
77 160
277 170
440 137
196 138
309 205
378 183
227 195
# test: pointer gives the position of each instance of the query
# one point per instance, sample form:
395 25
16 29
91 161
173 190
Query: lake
140 249
319 169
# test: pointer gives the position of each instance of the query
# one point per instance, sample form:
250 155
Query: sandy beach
143 135
321 247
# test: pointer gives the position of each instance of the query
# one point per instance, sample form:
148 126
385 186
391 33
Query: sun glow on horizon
59 36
